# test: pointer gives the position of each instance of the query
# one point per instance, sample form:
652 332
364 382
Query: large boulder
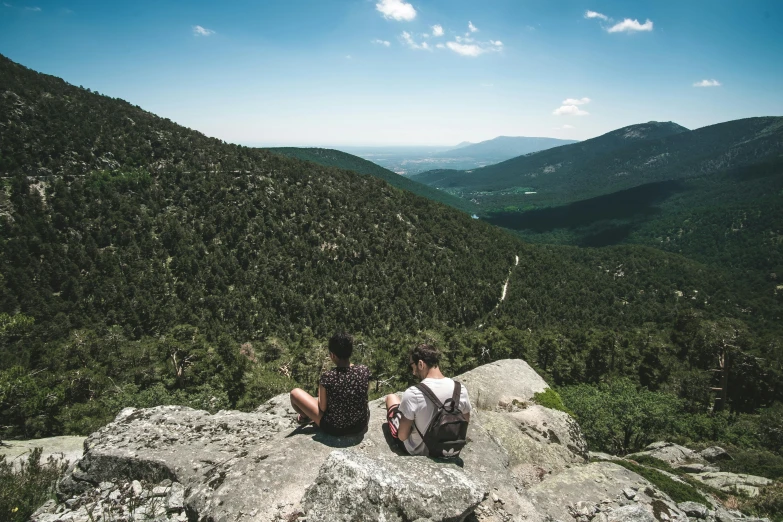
500 383
352 486
176 463
715 454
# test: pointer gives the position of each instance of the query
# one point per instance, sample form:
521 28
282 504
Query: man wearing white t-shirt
410 418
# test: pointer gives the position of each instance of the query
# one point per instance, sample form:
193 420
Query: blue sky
407 72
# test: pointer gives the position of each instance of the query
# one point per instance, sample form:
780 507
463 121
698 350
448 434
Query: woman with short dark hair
341 406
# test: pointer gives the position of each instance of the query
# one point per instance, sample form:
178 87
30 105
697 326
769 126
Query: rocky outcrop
733 482
674 454
603 491
552 441
697 465
523 462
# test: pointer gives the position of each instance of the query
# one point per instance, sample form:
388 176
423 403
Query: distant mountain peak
651 129
502 148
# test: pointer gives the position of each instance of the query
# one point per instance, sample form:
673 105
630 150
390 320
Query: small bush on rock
22 491
549 398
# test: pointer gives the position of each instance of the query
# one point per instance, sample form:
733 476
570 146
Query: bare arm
406 426
321 397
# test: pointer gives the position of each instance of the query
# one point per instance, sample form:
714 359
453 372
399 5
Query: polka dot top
346 396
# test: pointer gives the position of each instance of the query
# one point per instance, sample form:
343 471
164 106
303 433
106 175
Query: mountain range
502 148
620 159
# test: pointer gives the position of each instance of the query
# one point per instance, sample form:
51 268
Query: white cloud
593 14
440 46
570 110
36 9
472 27
465 49
396 10
467 46
7 4
568 127
347 56
437 30
707 83
202 31
630 26
570 107
408 39
384 43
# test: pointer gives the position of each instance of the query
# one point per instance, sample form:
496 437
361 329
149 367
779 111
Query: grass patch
677 491
23 491
549 398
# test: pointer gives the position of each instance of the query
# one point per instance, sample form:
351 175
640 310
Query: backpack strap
423 388
456 395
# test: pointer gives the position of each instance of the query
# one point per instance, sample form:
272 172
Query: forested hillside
343 160
142 263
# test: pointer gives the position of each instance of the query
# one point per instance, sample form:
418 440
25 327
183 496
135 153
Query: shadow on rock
333 441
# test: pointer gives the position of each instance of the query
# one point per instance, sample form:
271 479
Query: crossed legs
393 415
306 405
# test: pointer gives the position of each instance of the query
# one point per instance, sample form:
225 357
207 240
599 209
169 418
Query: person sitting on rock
341 406
409 420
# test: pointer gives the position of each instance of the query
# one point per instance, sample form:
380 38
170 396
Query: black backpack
447 433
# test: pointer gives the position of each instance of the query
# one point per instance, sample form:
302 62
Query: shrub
771 426
24 490
753 462
620 418
769 503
